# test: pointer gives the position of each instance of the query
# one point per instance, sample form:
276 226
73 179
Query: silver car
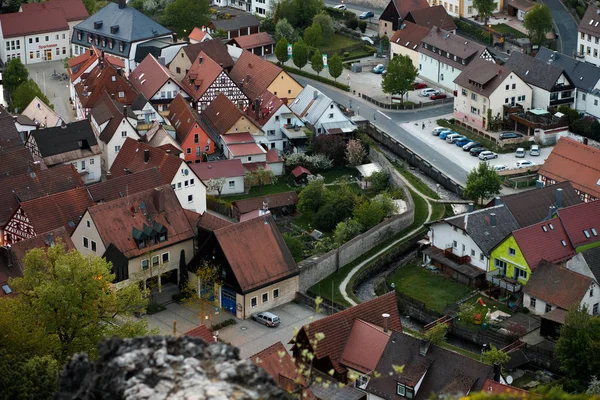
267 318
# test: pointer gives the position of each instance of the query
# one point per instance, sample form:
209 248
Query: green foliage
387 203
267 25
346 230
283 29
401 74
295 245
14 76
538 21
259 177
580 10
226 323
332 146
368 213
362 25
325 21
480 33
312 197
379 181
93 6
183 15
484 8
25 94
327 217
335 66
437 334
300 54
385 42
27 378
317 78
281 50
355 152
316 62
578 347
299 13
494 355
313 35
338 207
351 22
482 183
466 312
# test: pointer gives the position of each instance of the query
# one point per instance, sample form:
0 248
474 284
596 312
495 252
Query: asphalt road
389 121
565 25
356 8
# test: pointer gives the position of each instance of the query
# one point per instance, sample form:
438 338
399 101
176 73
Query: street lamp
491 36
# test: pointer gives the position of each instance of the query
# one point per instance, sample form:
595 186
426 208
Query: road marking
388 117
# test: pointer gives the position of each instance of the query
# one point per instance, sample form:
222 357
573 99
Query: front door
228 300
48 55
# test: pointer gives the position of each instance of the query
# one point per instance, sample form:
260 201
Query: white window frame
262 297
255 301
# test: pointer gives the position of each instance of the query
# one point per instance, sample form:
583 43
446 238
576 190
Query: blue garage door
228 300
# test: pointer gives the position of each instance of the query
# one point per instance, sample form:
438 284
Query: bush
335 13
223 324
369 213
315 163
352 22
346 53
327 218
180 297
362 25
154 308
332 146
580 10
318 78
295 245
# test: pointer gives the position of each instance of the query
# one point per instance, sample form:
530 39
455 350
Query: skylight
586 233
594 232
598 182
6 289
551 226
591 21
564 243
544 228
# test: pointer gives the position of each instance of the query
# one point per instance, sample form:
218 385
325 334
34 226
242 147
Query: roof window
594 232
563 243
551 226
586 233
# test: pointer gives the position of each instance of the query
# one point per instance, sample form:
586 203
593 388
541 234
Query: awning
366 170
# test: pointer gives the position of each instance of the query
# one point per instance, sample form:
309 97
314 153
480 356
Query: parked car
487 155
340 7
500 167
437 96
367 39
471 145
520 153
366 15
379 68
429 92
438 129
525 164
534 150
475 151
510 135
460 143
444 134
267 318
454 136
419 85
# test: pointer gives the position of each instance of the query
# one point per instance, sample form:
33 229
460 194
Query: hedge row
319 78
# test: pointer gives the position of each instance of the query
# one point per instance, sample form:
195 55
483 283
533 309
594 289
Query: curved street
565 26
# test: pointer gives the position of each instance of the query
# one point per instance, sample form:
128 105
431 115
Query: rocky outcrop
165 368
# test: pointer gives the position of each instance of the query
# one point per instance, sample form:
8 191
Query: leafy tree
92 6
324 20
387 203
437 334
401 74
281 50
259 177
219 33
484 8
268 25
578 347
295 245
379 180
14 76
312 197
595 130
335 66
201 290
283 29
316 62
183 15
216 185
338 207
593 387
298 12
538 21
466 313
346 230
482 183
183 272
313 35
355 152
384 42
351 22
368 213
300 54
494 355
327 217
25 94
362 25
332 146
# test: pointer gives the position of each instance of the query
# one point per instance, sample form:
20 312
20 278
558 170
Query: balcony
495 278
561 101
456 258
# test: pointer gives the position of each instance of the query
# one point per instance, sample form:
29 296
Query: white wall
277 168
498 98
22 47
541 98
587 301
438 72
587 43
109 152
442 236
274 125
197 190
168 91
93 166
238 186
91 233
328 117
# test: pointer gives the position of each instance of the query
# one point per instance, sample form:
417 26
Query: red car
437 96
419 85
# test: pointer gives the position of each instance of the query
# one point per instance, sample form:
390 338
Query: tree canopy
299 13
335 66
14 75
313 36
300 54
183 15
482 183
325 21
538 21
400 76
283 29
281 50
484 8
25 93
316 62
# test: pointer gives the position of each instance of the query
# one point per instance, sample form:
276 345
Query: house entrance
48 55
228 300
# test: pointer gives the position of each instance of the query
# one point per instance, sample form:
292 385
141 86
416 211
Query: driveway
565 25
251 337
56 90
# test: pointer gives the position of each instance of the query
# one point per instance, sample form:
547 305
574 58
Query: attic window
586 233
544 228
407 43
113 78
551 226
591 21
594 232
563 243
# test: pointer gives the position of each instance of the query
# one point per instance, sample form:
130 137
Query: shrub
346 53
318 78
327 217
335 13
368 213
295 245
362 25
346 230
314 163
580 10
224 324
352 22
387 204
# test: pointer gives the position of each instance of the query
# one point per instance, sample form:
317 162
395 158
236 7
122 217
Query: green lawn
489 303
337 43
281 186
338 172
433 289
503 28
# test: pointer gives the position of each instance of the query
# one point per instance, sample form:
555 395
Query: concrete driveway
56 90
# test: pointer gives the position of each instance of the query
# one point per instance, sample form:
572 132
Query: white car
500 167
525 164
534 150
367 39
487 155
453 137
438 129
520 153
429 92
340 7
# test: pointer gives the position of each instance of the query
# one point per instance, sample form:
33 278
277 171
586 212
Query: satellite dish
509 380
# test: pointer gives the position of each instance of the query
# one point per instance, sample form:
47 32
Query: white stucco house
230 171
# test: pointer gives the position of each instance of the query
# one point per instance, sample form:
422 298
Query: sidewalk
185 317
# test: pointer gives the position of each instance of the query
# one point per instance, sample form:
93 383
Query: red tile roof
201 332
558 286
245 149
104 78
183 117
74 10
491 386
150 75
123 186
32 23
215 49
278 363
575 162
272 156
115 221
299 170
274 201
253 74
237 138
429 17
197 34
337 327
364 346
247 42
24 187
252 266
211 222
544 241
218 169
405 6
410 36
42 240
56 210
269 104
15 161
222 114
108 109
581 221
202 74
80 64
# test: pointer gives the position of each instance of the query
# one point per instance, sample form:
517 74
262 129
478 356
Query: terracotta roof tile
81 63
299 170
183 117
201 332
278 363
150 75
268 105
483 77
575 162
364 346
274 201
218 169
197 34
43 240
272 156
211 222
582 223
58 209
237 138
253 74
107 109
32 23
104 78
123 186
337 327
221 114
410 35
590 23
254 40
429 17
215 50
546 240
252 266
405 6
74 10
15 161
245 149
558 286
202 74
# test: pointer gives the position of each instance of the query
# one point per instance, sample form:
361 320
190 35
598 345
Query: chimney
174 38
493 219
386 318
498 201
551 210
559 198
158 198
257 108
497 371
146 156
247 78
470 207
424 346
122 4
315 94
102 55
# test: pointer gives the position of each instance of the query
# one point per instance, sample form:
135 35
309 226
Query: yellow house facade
508 258
285 87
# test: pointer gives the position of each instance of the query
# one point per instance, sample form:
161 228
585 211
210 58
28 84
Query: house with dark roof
163 50
444 55
156 83
552 287
206 79
185 57
587 263
254 280
145 113
44 241
237 25
162 137
255 75
221 177
428 370
73 143
483 86
259 43
142 235
406 41
550 84
395 12
74 10
588 35
136 157
112 122
190 132
117 29
223 118
429 17
575 162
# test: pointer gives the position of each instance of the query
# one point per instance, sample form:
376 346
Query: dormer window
121 46
79 35
110 43
405 391
90 38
